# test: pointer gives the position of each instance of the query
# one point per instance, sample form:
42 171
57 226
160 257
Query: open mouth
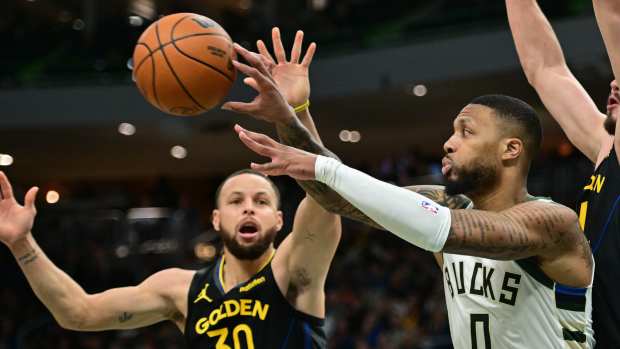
248 230
612 102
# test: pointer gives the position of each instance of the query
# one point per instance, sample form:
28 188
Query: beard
250 251
473 179
610 124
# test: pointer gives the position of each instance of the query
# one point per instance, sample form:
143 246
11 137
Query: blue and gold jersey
254 314
599 216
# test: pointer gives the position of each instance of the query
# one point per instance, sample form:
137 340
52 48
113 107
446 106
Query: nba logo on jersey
429 207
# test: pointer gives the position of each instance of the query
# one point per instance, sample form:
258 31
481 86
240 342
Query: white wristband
406 214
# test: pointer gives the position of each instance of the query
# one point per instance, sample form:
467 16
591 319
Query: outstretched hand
291 75
15 220
285 160
269 105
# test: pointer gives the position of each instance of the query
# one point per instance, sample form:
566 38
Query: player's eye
263 202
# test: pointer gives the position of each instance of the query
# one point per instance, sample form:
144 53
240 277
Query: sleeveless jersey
513 305
252 315
599 216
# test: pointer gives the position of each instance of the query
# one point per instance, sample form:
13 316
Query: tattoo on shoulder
125 317
28 258
438 194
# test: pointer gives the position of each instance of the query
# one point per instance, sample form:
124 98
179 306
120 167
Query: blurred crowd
56 42
381 291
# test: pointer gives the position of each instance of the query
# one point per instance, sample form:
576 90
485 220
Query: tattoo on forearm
295 134
28 258
125 317
298 136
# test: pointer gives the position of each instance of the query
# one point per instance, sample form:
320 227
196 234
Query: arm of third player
71 306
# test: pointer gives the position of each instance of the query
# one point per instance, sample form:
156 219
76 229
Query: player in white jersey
513 304
519 270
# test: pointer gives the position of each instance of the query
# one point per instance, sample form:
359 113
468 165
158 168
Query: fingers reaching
258 137
269 168
240 107
260 78
309 55
280 54
262 49
252 58
31 196
297 44
256 147
5 187
278 49
251 82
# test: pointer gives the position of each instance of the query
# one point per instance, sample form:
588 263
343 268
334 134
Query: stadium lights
6 160
178 152
126 129
135 21
420 90
78 24
350 136
52 197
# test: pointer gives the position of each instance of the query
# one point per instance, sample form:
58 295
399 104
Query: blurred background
127 190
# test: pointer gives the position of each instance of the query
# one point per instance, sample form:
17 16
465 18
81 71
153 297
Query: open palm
15 220
291 76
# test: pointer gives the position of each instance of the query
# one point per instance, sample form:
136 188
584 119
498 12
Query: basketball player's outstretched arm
270 105
608 18
71 306
306 253
545 230
544 65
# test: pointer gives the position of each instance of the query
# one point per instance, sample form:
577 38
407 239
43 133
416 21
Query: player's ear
280 221
512 148
215 219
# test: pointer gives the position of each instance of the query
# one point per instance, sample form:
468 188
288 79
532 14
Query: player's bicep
129 307
525 230
313 242
571 106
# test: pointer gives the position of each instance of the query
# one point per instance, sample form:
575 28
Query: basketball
182 64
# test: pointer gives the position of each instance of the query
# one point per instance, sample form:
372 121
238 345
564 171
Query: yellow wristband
302 107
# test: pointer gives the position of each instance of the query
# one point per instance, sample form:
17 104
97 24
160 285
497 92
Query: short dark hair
517 113
246 171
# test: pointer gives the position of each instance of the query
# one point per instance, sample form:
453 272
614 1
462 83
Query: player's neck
236 271
508 192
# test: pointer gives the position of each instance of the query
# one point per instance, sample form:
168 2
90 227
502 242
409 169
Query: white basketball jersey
513 304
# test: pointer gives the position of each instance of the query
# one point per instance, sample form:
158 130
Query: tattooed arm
542 229
156 299
121 308
546 230
296 135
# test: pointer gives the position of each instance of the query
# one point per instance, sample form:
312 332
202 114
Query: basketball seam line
152 76
161 46
193 58
163 52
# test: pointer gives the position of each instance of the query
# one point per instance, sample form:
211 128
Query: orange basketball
182 64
